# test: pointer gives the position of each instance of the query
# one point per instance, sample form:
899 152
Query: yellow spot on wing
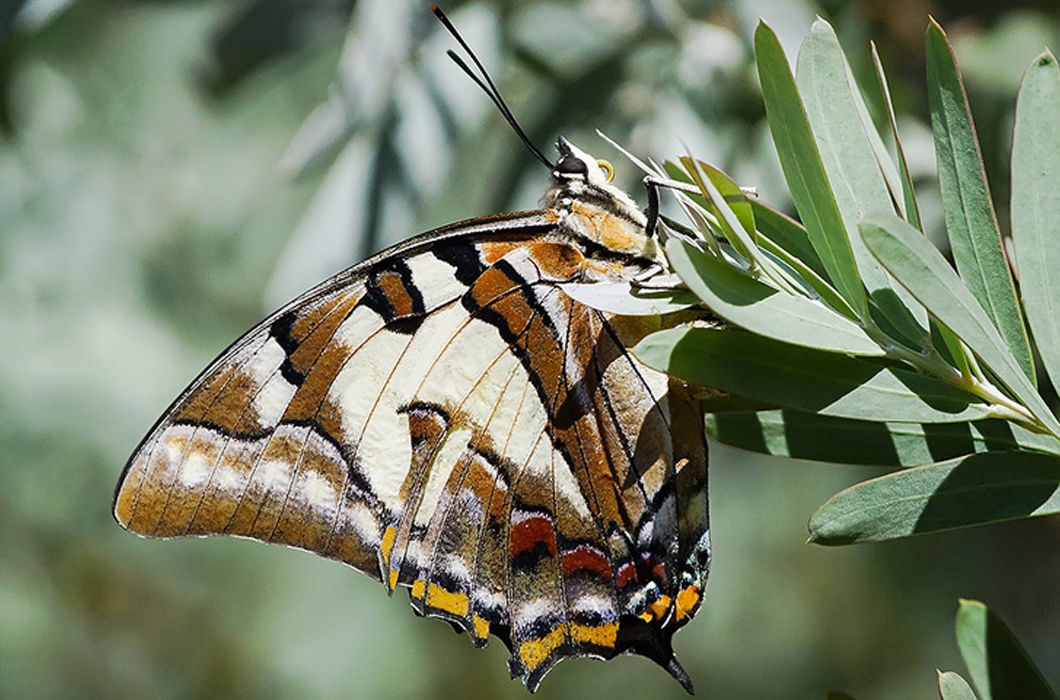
419 587
534 651
602 635
482 628
660 606
388 542
686 600
438 597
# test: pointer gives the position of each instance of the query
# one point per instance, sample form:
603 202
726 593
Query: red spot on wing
659 571
586 558
626 573
528 533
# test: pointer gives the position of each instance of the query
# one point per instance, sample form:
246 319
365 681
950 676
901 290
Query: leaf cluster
848 336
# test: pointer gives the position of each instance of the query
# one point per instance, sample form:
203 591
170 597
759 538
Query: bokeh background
171 170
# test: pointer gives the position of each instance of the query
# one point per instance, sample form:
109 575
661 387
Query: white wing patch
453 446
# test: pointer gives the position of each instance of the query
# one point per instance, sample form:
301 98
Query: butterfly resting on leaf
444 417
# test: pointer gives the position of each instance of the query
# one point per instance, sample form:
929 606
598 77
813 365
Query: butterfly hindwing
444 417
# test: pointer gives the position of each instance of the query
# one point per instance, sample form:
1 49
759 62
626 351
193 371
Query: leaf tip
1045 59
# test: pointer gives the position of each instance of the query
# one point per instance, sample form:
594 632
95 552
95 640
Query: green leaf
912 210
999 666
732 195
803 171
734 229
915 262
953 687
835 111
622 298
941 336
785 240
805 278
788 234
975 490
1036 205
736 297
810 380
801 435
975 239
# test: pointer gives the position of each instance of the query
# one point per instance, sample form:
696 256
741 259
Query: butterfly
447 418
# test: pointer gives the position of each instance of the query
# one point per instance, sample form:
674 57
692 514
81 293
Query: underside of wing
443 417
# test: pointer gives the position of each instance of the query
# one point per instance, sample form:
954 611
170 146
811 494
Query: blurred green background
170 171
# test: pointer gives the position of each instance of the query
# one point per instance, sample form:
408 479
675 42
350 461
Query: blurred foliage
145 218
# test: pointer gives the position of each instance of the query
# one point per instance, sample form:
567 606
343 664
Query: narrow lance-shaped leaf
999 666
915 262
940 334
735 199
804 277
975 490
787 233
807 379
912 210
734 229
785 240
805 175
970 220
802 435
1036 205
832 105
953 687
629 300
764 310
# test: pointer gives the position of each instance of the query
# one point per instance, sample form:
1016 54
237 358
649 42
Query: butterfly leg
652 185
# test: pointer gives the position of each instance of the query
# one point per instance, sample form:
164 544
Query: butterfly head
594 208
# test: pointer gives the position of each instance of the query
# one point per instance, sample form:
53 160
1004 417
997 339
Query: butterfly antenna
487 84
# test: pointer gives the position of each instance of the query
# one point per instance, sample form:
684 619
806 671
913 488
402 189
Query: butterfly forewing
444 417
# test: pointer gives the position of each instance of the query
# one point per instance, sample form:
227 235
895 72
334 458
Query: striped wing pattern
444 418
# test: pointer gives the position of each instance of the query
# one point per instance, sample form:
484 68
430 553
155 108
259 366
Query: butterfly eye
609 170
571 165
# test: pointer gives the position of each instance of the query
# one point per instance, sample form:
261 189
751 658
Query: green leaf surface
999 666
788 234
785 240
803 378
801 435
908 193
622 298
975 490
953 687
916 263
975 239
805 277
1036 205
733 227
941 336
732 195
803 170
837 114
750 304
